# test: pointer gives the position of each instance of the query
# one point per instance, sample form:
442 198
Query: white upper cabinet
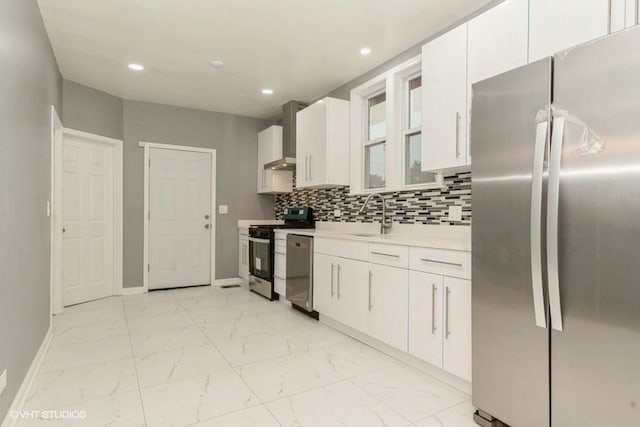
322 144
444 101
624 14
557 25
498 40
269 150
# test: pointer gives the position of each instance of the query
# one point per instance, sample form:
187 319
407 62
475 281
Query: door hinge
149 215
149 162
148 268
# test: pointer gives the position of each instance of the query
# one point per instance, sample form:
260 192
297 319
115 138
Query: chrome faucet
384 227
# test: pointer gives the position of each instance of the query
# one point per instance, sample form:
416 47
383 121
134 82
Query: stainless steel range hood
288 160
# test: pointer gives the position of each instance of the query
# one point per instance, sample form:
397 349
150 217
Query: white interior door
88 219
179 218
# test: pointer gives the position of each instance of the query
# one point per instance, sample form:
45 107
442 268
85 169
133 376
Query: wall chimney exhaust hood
288 160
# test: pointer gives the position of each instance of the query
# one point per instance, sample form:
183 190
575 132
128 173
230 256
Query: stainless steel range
261 249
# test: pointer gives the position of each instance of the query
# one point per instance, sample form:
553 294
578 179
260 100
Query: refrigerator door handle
542 130
553 198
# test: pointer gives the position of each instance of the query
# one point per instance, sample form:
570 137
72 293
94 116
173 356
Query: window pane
415 102
413 161
375 165
377 116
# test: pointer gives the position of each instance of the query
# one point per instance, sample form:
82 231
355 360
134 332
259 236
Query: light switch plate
3 380
455 213
337 213
223 209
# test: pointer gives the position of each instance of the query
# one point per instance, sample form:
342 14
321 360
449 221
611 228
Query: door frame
145 261
57 305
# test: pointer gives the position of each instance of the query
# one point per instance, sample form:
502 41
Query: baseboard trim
27 383
406 358
229 281
133 291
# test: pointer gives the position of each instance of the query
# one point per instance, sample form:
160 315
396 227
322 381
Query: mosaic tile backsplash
406 207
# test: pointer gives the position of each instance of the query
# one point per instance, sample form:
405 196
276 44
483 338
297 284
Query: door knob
207 226
206 216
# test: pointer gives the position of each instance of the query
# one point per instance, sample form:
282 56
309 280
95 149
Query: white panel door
324 288
557 25
444 101
351 293
425 316
457 324
179 218
88 219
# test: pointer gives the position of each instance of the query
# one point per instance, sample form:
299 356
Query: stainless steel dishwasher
300 273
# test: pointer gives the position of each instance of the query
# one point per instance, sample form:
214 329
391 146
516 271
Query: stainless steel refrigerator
556 239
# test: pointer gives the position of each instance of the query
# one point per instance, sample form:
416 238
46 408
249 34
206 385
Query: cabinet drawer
342 248
441 261
280 267
243 232
280 247
392 255
280 286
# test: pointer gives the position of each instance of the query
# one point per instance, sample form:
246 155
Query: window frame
392 82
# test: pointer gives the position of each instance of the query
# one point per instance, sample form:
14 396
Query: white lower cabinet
424 313
425 316
388 299
457 327
243 255
340 289
440 321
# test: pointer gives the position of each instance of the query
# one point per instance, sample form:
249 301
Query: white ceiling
302 49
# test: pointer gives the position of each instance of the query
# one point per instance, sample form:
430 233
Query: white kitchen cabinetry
269 150
624 14
322 144
388 298
243 253
340 289
440 321
498 40
444 101
457 327
280 264
557 25
425 316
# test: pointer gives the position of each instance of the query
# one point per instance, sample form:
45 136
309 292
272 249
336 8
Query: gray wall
236 140
29 83
91 110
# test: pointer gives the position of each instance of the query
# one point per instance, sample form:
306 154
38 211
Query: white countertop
456 238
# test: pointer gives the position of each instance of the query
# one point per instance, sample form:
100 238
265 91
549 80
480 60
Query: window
412 133
375 158
386 132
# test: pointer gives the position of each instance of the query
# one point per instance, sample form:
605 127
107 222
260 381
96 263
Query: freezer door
510 116
596 357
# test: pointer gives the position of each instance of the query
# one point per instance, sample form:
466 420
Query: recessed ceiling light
136 67
365 51
217 64
267 91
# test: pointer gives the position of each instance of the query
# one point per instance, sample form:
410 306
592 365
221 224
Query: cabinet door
388 305
351 293
457 327
624 14
311 145
426 316
498 40
444 101
324 295
243 258
557 25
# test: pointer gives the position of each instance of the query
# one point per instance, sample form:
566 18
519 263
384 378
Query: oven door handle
256 240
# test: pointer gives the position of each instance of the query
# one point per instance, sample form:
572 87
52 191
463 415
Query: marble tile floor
208 356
